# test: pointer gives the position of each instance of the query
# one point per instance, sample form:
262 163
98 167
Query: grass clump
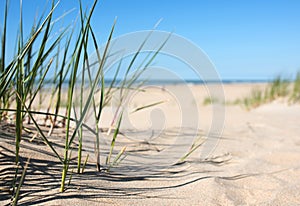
256 99
24 78
210 100
295 96
279 88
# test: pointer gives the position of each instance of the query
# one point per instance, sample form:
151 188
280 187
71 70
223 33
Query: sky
243 39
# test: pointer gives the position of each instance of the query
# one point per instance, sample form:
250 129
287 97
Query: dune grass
295 95
279 88
24 78
16 192
210 100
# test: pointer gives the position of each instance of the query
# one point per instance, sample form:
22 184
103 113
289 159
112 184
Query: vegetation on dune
295 95
210 100
279 88
24 77
57 60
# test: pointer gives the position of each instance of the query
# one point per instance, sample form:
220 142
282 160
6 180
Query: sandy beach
253 158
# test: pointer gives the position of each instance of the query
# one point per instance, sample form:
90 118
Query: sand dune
255 160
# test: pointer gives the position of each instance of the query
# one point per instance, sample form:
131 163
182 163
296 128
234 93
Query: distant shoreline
175 82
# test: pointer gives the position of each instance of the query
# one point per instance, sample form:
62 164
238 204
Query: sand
252 157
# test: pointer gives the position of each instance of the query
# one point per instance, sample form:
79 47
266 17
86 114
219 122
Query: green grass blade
11 69
39 129
96 80
113 141
39 86
70 98
102 77
33 37
85 162
61 75
118 158
17 194
3 40
39 59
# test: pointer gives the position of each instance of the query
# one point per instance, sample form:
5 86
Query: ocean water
172 82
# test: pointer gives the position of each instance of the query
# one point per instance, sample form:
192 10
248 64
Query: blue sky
244 39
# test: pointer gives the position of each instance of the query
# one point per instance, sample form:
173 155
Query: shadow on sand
129 180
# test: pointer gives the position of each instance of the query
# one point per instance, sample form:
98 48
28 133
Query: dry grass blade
50 114
198 142
147 106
